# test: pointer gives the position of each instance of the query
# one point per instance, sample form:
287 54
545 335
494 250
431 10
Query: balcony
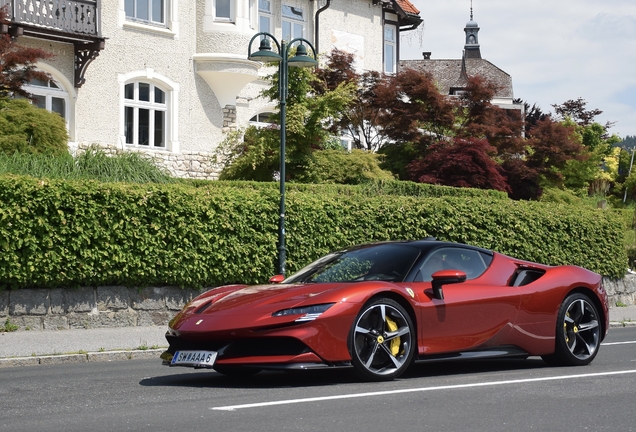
71 21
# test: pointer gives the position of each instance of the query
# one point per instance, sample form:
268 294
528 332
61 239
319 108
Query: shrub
25 128
562 196
342 167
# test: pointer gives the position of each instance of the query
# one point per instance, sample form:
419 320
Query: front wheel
382 340
578 332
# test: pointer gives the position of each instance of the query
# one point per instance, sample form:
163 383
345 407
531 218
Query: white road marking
618 343
415 390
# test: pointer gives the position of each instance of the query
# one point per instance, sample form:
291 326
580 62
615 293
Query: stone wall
106 306
621 291
118 306
196 165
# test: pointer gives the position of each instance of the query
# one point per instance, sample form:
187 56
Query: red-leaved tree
460 163
553 144
412 109
17 64
480 118
360 121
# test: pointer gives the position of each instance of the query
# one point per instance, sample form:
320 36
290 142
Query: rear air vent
526 276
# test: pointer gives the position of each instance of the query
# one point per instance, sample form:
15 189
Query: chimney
427 55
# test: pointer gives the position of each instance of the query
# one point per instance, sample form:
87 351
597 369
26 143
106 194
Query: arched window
263 119
145 115
50 96
149 111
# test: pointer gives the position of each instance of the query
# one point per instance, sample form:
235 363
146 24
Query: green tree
309 120
595 169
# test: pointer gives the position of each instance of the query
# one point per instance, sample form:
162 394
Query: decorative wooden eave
408 14
69 21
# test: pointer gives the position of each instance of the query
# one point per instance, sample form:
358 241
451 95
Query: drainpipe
317 22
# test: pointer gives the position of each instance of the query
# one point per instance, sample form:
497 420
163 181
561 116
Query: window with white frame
50 96
390 48
293 22
263 119
145 115
265 16
147 11
224 10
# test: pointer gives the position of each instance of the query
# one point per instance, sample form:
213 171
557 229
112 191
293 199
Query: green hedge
68 233
369 189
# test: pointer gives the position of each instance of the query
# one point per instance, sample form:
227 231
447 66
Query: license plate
194 358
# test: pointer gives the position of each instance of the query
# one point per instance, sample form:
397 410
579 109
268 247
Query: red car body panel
478 314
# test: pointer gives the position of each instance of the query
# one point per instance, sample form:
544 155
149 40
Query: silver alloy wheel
581 329
382 340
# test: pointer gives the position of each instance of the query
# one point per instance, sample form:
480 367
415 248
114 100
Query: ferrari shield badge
411 293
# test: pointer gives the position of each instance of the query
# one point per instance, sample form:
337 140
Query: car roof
425 245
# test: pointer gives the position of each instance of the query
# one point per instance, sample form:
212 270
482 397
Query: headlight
309 313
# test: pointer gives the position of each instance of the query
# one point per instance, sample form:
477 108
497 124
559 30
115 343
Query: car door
472 314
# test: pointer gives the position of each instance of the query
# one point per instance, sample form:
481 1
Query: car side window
469 261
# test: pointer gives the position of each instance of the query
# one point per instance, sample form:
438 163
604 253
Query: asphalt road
489 396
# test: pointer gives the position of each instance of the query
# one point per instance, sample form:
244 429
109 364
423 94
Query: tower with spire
452 75
471 48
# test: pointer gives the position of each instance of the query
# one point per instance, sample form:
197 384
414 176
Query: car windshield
384 262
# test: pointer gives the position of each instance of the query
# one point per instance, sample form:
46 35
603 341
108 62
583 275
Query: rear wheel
578 332
382 340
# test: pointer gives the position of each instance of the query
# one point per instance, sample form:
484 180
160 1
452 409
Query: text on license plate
194 358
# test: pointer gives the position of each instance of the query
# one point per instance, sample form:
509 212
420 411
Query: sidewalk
77 346
108 344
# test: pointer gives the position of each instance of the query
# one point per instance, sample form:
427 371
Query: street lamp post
300 59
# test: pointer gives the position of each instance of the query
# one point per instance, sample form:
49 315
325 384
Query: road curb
618 324
89 357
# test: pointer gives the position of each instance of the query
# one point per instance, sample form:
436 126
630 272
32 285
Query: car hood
236 307
272 297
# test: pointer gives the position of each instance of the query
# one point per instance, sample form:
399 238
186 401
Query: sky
554 50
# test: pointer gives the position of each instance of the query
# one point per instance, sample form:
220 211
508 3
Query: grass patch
93 164
8 326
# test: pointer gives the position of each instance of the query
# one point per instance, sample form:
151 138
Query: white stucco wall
137 49
354 26
176 58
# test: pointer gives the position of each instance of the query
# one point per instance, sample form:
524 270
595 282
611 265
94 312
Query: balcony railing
74 17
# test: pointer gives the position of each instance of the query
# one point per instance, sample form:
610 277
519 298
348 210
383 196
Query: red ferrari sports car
380 307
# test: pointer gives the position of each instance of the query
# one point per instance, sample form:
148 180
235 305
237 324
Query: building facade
171 77
451 75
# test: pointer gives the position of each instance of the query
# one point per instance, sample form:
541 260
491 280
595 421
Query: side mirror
444 277
277 279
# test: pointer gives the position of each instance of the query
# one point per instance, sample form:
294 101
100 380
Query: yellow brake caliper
395 343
